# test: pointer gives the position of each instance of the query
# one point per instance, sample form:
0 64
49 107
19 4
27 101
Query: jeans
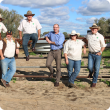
94 61
26 38
76 65
6 63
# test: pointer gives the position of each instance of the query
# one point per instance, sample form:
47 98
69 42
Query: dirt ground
40 94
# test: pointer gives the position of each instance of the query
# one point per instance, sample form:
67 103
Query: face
56 28
29 18
94 30
73 37
8 37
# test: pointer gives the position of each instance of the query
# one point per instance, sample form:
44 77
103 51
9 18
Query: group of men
8 48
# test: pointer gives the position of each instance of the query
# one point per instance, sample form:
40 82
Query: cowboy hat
74 33
29 13
1 17
94 26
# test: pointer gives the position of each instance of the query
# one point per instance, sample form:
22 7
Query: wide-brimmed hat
94 26
29 13
9 32
74 33
1 17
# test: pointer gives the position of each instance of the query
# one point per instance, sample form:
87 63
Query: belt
9 57
93 52
55 50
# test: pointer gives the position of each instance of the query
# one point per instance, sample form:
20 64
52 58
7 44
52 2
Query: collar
7 38
58 33
31 20
94 34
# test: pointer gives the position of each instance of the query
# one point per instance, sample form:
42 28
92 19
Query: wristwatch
101 52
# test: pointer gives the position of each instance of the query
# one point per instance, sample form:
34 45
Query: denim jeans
94 62
26 38
76 65
6 63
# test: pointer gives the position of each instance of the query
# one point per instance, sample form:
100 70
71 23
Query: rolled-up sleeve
20 28
18 45
102 42
66 47
1 45
61 40
4 28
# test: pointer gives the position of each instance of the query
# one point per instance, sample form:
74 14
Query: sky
76 15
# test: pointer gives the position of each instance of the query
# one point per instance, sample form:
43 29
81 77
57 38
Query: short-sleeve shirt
73 49
2 28
95 42
29 27
10 48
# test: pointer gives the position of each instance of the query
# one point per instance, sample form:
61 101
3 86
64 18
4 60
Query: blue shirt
57 38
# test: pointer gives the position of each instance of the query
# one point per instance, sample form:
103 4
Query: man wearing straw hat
9 48
96 45
29 26
2 26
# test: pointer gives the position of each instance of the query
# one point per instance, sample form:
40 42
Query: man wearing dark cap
8 49
29 26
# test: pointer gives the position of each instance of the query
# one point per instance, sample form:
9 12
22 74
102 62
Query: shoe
8 85
3 82
27 58
33 49
93 85
51 74
71 85
56 84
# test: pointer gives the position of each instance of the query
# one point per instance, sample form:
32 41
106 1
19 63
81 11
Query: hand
84 51
17 51
2 58
20 38
67 62
98 53
38 38
48 41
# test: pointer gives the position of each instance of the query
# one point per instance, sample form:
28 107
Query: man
96 45
29 26
2 26
8 49
55 39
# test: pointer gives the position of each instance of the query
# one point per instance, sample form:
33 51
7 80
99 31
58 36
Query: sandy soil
40 94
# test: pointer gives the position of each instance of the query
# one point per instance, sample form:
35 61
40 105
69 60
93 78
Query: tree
45 33
104 25
12 21
66 34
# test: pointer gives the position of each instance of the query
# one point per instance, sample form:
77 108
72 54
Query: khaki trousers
57 56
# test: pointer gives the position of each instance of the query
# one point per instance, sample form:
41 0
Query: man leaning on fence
29 26
96 45
55 39
8 49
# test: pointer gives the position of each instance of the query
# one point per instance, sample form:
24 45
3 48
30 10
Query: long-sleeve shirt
57 38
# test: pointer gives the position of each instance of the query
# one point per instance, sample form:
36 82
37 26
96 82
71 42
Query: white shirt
10 48
95 42
29 27
73 49
2 28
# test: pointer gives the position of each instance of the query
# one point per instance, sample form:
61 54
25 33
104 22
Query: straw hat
94 26
74 33
1 17
29 13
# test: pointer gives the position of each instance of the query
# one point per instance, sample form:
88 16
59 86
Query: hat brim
78 34
94 28
28 15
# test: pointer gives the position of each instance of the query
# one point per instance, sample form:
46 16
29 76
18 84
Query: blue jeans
76 65
94 62
26 38
7 74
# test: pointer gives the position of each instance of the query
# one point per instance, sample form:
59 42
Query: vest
5 44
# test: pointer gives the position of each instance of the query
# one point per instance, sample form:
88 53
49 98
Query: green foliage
52 80
66 34
82 63
14 80
41 55
105 81
45 33
32 53
106 52
12 21
64 64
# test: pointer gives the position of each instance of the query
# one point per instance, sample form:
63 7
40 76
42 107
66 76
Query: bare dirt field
40 94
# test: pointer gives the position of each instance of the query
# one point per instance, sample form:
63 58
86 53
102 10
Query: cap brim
29 15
